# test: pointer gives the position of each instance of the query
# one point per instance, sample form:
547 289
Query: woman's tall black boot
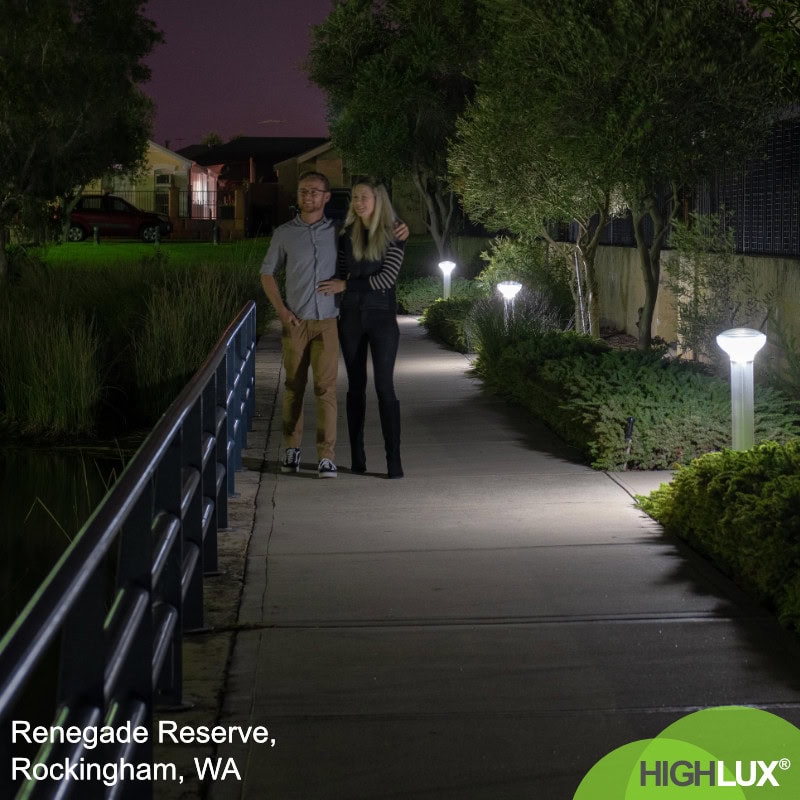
390 425
356 410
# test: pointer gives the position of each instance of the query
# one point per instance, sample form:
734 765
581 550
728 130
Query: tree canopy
397 76
779 23
634 97
508 170
71 107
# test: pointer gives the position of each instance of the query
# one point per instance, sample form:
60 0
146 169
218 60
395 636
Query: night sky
234 68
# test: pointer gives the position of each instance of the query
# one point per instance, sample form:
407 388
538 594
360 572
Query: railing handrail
45 614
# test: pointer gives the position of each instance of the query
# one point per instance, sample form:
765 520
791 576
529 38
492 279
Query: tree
640 98
211 139
70 103
396 73
779 24
507 170
712 286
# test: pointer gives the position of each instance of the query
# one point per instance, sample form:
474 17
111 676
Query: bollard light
446 267
509 290
741 345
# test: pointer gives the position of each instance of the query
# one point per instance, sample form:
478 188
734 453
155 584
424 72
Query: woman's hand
400 230
331 286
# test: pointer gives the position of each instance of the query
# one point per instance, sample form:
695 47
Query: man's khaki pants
313 343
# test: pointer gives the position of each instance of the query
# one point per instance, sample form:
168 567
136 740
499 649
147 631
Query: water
45 498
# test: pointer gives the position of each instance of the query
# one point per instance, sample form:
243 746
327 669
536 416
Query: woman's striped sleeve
341 261
386 276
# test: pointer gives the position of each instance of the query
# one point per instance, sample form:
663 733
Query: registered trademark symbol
784 764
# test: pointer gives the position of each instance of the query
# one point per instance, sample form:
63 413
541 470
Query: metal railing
121 625
191 204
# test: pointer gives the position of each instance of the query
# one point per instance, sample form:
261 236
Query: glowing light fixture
741 345
509 290
446 267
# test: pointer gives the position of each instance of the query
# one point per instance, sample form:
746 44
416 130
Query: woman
370 255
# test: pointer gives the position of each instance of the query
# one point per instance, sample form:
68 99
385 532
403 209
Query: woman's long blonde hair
374 244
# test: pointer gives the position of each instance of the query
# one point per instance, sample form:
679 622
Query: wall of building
621 290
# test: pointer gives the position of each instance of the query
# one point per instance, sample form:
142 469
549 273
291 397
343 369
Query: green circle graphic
724 753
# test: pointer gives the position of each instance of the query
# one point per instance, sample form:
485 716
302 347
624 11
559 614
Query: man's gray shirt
309 254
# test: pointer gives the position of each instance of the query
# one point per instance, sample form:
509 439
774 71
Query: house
168 184
246 167
325 158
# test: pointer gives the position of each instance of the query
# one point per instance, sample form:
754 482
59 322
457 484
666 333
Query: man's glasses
310 192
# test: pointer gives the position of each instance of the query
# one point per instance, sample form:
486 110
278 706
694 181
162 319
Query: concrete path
486 628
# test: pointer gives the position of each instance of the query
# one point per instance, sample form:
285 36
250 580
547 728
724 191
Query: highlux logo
711 753
710 773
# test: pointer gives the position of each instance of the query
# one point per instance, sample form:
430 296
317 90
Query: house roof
266 148
316 151
182 158
193 150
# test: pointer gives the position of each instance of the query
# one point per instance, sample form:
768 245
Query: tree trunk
440 211
579 274
591 294
564 253
649 279
586 249
3 256
650 258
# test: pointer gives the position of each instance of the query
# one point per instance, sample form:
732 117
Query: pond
45 498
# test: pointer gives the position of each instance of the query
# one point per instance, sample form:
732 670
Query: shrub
586 393
51 376
182 320
525 260
713 288
743 510
76 340
446 320
783 372
494 331
414 295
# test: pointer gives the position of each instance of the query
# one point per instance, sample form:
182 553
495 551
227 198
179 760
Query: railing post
134 569
221 428
168 499
81 674
230 419
209 482
192 520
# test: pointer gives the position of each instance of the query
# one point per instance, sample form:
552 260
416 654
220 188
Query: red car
114 216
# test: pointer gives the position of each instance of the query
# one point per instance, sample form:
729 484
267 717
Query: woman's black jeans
378 331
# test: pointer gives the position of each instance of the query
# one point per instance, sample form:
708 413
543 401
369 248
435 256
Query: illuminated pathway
486 628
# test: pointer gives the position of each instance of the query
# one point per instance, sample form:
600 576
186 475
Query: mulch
619 340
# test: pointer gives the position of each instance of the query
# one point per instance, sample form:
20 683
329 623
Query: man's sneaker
291 460
327 469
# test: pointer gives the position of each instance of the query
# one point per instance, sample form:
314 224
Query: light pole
509 290
741 345
446 267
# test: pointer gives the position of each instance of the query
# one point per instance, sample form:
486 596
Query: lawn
248 252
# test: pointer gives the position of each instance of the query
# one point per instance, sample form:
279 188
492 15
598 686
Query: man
306 247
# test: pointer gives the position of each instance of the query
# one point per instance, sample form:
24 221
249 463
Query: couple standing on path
361 264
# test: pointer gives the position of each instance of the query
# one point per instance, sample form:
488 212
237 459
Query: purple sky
233 67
